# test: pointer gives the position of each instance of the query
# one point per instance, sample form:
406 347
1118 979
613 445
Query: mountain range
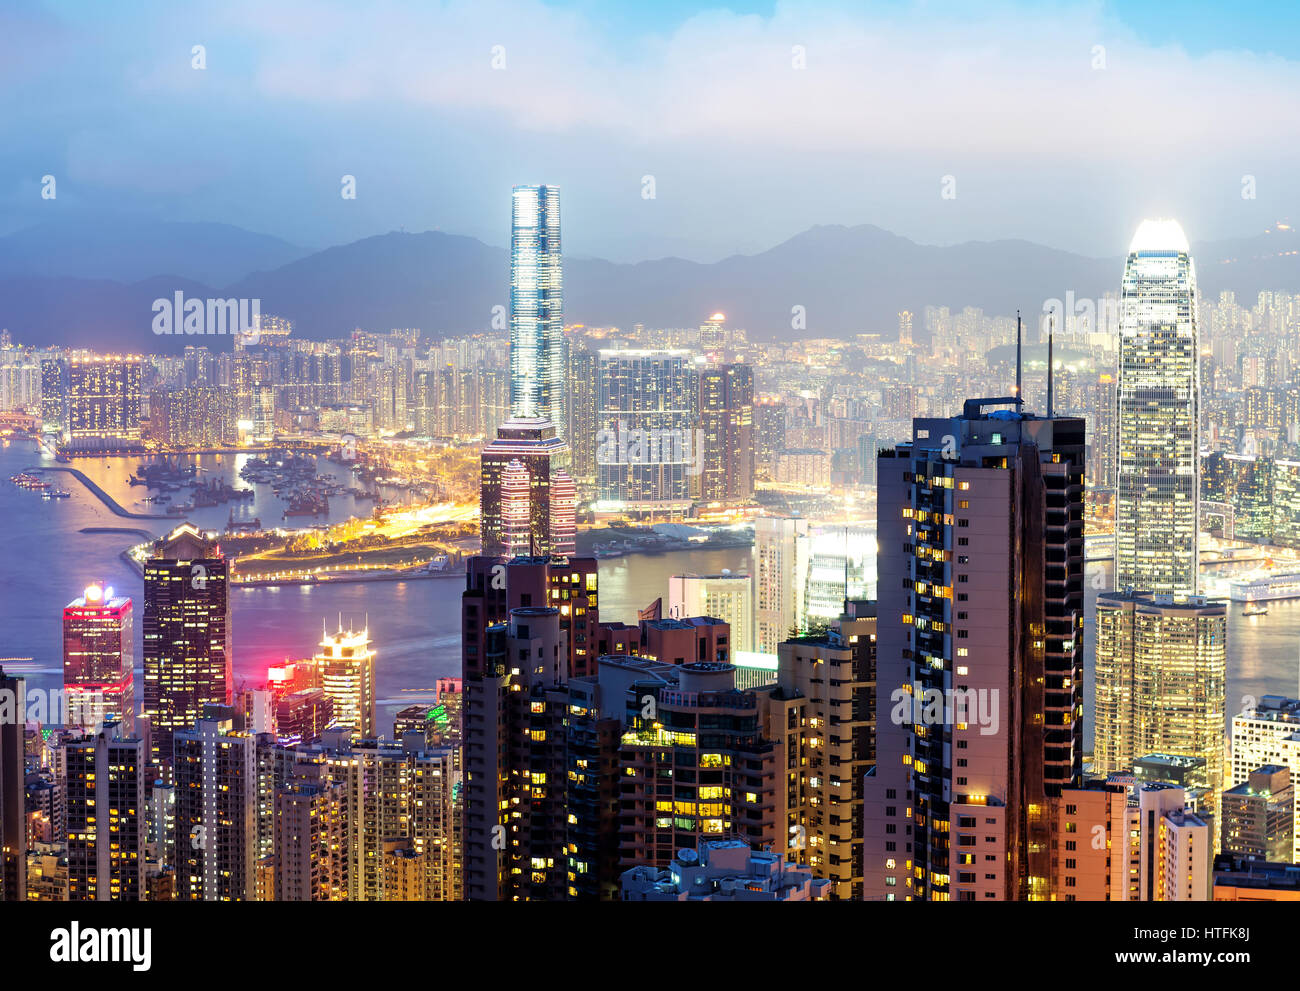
93 284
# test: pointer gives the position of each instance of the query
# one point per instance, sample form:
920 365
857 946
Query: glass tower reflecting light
537 306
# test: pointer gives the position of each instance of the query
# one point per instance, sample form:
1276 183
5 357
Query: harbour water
47 561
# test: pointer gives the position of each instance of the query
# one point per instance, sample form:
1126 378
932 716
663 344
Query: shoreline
113 505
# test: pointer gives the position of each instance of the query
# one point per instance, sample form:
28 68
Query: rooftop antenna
1019 400
1051 326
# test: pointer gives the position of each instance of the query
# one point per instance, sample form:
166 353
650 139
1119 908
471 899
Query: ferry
1255 610
1267 588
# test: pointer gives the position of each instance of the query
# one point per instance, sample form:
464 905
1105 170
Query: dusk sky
1047 136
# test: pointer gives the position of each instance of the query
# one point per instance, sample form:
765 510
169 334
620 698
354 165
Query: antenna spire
1019 398
1051 326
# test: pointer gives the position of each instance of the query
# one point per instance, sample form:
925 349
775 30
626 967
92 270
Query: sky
1063 122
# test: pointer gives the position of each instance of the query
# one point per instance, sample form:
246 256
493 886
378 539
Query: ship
1254 610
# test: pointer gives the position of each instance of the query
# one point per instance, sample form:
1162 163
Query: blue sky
1062 122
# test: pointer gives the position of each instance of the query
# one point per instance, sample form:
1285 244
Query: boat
1254 610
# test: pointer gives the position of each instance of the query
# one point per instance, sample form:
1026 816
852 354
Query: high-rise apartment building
105 814
1259 815
13 819
98 652
726 596
1267 732
215 769
979 654
186 624
103 402
726 435
1158 419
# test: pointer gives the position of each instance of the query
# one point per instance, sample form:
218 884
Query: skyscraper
1161 681
98 652
13 820
980 655
726 434
103 402
105 805
782 547
534 433
537 365
346 667
1158 415
186 624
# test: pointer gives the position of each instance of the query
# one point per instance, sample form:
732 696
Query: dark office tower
98 658
106 827
980 655
186 623
584 369
13 818
534 444
54 395
726 434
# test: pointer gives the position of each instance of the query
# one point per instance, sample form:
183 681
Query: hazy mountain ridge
847 280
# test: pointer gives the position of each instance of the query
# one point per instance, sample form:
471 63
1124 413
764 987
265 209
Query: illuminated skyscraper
537 306
1158 492
186 624
98 652
516 508
1161 681
564 505
782 547
103 402
726 434
347 672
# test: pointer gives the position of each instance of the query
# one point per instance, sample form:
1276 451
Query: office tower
1161 681
726 435
103 402
688 724
584 370
534 445
841 564
725 596
905 328
311 835
347 672
714 338
106 828
1099 401
979 654
516 503
780 566
537 343
724 871
822 713
186 624
1158 414
564 515
98 652
54 395
1259 815
647 452
215 770
302 716
13 820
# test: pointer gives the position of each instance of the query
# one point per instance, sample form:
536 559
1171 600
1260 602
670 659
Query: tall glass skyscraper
537 363
1158 490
